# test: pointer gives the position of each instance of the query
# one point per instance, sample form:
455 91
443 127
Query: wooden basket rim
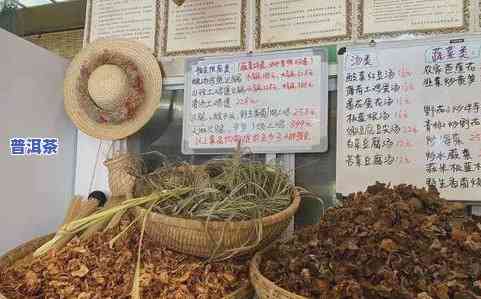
32 245
256 276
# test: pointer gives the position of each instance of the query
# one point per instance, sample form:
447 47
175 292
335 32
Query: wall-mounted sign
134 19
379 17
270 103
30 146
204 27
283 23
411 113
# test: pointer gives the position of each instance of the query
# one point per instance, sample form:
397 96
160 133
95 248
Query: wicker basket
120 168
26 249
199 238
22 251
266 289
246 292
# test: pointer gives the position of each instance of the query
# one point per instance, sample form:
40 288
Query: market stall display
407 114
238 206
387 242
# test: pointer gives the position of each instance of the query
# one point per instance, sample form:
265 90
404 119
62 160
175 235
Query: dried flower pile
92 269
399 242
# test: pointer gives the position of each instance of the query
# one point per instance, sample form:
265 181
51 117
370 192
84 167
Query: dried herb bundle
228 189
92 269
399 242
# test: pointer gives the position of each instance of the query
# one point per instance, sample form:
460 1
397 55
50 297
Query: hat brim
148 67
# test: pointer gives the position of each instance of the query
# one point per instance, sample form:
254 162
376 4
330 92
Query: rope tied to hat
126 105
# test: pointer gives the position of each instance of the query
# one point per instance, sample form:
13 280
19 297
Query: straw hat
112 88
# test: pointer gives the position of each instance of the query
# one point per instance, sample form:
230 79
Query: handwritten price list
377 116
453 155
268 104
412 115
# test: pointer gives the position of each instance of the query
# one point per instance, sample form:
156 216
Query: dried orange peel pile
91 269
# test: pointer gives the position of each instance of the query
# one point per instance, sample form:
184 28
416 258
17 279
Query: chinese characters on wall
265 103
133 19
411 114
383 16
200 25
286 22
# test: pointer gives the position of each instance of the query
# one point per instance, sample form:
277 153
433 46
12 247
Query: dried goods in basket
388 242
266 289
218 239
235 206
92 269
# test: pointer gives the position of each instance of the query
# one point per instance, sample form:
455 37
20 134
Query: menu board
410 113
269 103
285 23
204 26
134 19
384 16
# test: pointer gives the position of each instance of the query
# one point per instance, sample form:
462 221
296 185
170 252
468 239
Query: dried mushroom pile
93 270
399 242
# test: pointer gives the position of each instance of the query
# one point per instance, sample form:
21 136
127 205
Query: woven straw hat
112 88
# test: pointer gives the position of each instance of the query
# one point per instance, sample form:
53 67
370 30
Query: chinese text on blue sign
28 146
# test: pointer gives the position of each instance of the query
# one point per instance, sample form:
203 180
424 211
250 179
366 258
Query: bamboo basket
266 289
120 167
19 253
200 238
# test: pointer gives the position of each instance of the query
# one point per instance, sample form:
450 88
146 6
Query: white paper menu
270 103
410 113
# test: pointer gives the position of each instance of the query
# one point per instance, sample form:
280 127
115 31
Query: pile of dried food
399 242
92 269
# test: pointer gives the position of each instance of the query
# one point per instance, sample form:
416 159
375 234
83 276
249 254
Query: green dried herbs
229 189
399 242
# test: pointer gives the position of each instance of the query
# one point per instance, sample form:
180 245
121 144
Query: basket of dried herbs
388 242
235 207
93 269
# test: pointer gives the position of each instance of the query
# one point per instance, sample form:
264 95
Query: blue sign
28 146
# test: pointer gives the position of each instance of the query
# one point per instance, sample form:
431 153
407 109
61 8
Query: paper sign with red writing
269 103
411 113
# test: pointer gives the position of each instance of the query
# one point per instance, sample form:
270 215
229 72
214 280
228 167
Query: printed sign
270 103
204 26
292 22
133 19
21 146
410 113
405 16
